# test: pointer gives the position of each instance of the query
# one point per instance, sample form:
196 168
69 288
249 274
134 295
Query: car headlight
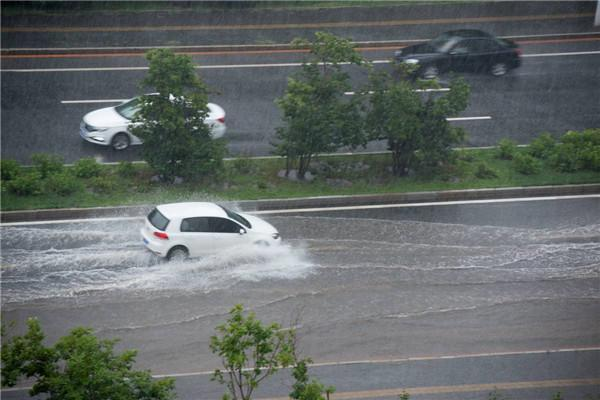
276 235
411 61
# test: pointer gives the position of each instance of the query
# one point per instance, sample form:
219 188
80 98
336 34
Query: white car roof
191 209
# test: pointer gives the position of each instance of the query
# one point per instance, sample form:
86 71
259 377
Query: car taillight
221 120
519 51
161 235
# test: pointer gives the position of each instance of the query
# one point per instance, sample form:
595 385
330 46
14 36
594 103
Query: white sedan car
110 126
181 230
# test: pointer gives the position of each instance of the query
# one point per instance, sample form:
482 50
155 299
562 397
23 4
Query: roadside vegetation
574 158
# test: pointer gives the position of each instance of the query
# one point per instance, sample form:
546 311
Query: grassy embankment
249 179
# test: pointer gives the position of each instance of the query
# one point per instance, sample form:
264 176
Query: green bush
29 184
103 184
506 149
126 169
9 169
47 164
543 146
87 168
482 171
526 164
578 151
62 184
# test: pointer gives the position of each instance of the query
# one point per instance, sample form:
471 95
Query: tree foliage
78 367
171 121
317 116
305 388
250 352
412 118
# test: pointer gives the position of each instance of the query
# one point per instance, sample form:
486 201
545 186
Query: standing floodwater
355 287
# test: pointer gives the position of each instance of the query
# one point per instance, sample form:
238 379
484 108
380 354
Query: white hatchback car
110 126
181 230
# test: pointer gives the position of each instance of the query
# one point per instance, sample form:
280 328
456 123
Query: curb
313 202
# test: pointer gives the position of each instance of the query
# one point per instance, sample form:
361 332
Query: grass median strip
254 179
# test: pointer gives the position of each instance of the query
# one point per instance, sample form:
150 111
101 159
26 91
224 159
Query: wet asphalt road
555 89
423 281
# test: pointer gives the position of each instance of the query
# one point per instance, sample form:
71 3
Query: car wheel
120 141
430 72
499 69
178 253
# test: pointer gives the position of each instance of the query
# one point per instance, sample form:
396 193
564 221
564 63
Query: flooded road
356 285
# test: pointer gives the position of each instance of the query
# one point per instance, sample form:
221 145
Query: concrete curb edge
312 202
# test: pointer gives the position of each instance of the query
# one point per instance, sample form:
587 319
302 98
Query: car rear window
158 220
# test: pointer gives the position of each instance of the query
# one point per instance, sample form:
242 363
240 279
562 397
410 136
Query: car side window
461 47
486 45
223 225
198 224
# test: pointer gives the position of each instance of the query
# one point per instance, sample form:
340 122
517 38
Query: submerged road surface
358 285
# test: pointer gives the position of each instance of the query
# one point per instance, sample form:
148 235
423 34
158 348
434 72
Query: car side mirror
242 231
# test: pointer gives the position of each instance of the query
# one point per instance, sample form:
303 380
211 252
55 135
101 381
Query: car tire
499 69
120 141
430 72
178 253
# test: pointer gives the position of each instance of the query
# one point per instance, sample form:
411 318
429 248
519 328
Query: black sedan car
462 50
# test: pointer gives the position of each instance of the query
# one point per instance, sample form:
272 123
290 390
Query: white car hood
259 225
105 118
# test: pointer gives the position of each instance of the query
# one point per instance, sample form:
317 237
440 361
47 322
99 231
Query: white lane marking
232 66
385 361
487 117
93 101
426 204
322 209
576 53
275 45
417 90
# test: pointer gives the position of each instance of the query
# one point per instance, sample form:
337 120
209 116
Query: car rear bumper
155 246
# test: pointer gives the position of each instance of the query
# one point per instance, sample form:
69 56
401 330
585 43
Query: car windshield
158 220
443 43
129 108
237 217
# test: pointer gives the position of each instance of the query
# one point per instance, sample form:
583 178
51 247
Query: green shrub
29 184
484 172
543 146
588 137
47 164
87 168
9 169
103 184
506 149
62 184
126 169
526 164
565 158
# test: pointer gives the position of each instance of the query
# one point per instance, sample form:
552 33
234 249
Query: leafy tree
317 116
250 352
78 367
414 124
171 122
305 389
